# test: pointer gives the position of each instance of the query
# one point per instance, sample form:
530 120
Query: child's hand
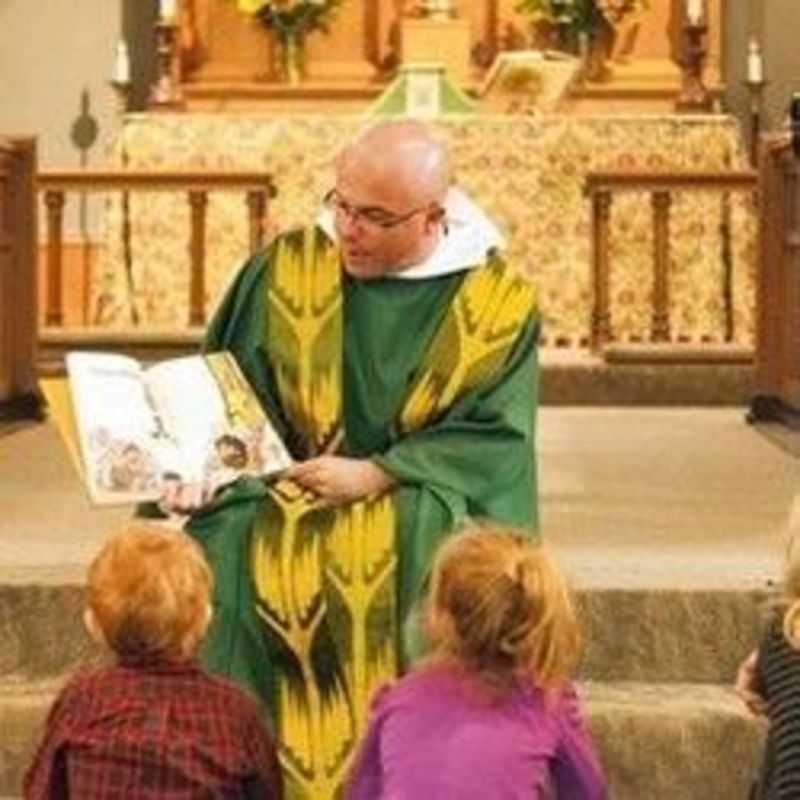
745 686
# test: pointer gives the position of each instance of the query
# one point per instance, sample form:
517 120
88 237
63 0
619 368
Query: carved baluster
601 314
54 310
661 202
256 208
198 203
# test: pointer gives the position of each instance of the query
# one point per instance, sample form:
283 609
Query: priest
395 351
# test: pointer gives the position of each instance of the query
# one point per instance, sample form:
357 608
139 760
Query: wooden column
777 394
601 313
18 284
198 202
661 201
790 367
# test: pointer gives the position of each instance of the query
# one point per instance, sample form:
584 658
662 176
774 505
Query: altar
528 172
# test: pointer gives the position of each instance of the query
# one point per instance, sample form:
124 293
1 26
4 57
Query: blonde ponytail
499 606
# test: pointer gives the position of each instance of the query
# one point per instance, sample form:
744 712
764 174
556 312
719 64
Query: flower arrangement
574 17
291 21
291 18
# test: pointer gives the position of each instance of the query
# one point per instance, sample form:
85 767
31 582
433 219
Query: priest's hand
337 480
185 498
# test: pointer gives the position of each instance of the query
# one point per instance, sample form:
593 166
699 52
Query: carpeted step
42 631
631 634
668 635
670 741
656 742
23 708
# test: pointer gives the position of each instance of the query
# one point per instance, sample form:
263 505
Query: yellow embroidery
325 579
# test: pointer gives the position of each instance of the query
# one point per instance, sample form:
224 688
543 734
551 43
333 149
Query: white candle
122 64
167 9
755 63
694 11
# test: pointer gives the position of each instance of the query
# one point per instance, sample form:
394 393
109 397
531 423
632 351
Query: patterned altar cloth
527 172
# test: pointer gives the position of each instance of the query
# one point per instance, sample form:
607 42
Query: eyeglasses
370 216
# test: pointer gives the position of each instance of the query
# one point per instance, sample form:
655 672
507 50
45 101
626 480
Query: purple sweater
433 735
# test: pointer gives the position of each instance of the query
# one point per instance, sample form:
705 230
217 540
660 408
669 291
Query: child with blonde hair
775 682
154 725
491 713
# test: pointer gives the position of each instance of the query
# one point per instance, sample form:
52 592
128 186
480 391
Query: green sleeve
483 447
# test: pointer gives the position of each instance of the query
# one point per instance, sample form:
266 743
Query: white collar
470 235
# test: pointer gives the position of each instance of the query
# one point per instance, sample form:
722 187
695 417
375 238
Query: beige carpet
629 497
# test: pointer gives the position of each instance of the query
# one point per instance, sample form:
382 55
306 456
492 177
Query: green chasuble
435 380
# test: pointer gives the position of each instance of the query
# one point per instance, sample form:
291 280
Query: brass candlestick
165 93
693 97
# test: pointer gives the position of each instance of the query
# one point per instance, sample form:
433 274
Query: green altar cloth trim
401 97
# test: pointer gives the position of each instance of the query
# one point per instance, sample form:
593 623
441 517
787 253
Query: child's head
149 594
499 605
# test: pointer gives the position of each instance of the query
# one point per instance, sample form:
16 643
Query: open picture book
131 429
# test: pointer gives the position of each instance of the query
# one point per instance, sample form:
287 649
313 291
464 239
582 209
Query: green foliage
574 17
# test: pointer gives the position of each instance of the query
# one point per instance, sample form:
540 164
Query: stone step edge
662 698
599 694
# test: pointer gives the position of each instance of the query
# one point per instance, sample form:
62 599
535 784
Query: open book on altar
131 429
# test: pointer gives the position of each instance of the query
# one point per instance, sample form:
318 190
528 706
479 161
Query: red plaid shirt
170 732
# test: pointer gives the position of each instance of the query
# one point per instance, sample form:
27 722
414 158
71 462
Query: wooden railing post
54 308
256 208
661 201
601 313
198 203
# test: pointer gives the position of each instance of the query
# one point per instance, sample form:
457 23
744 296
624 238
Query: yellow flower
250 6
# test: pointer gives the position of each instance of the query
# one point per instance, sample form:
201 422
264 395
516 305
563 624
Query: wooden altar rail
54 185
601 187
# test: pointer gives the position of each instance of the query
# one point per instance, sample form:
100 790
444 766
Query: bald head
390 192
400 160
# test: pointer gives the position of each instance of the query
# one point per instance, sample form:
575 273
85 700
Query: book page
125 447
217 419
